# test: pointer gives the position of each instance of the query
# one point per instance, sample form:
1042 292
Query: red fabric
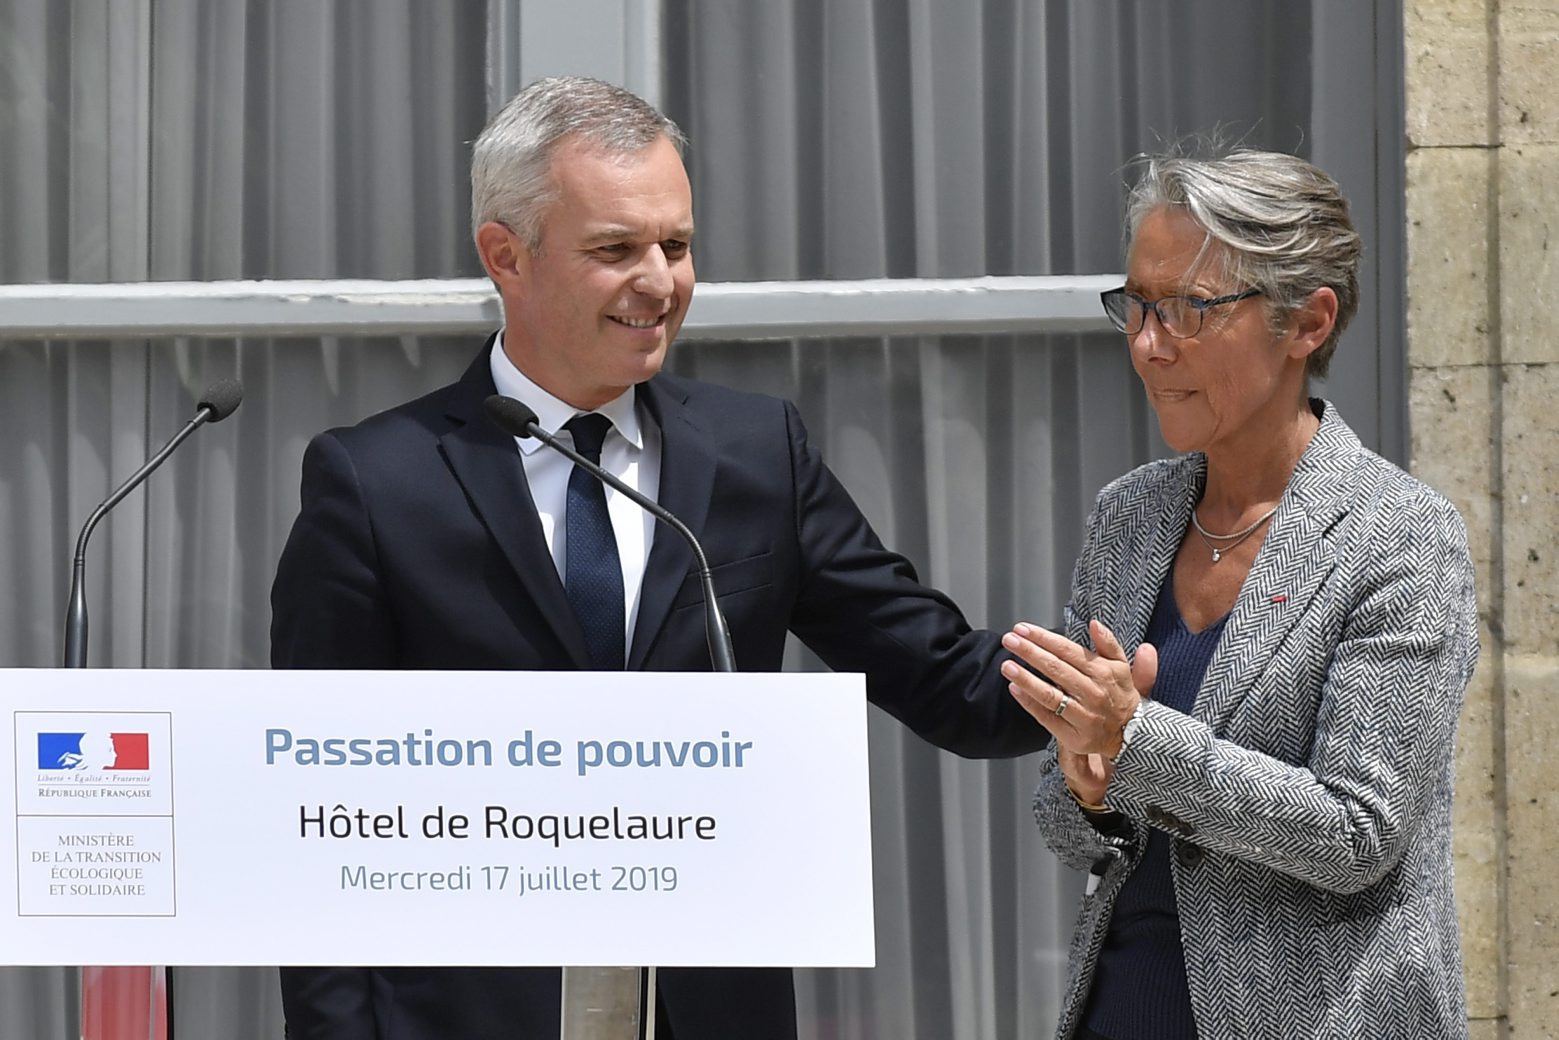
123 1003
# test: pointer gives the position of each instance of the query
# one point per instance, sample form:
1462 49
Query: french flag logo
119 752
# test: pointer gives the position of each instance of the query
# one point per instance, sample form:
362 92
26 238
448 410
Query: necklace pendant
1217 555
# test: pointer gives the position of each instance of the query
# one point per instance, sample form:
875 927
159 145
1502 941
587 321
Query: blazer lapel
687 477
488 466
1295 559
1139 590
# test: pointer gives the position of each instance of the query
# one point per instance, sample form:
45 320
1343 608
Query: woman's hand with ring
1083 697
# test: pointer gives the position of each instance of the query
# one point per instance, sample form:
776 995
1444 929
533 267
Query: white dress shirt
631 453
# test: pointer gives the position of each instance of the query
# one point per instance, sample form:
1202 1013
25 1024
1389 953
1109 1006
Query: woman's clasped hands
1083 696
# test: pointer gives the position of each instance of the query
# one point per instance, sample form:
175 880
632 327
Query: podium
497 818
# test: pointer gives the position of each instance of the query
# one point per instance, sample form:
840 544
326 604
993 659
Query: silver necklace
1238 536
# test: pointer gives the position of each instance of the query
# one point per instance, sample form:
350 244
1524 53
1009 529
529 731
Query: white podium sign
435 818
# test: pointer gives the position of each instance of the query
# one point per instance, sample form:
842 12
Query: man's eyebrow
621 232
609 233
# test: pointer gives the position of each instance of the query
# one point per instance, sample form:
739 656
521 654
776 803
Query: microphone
219 401
518 420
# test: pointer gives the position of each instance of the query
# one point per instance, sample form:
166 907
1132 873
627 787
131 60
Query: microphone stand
611 1003
76 612
518 420
718 634
220 401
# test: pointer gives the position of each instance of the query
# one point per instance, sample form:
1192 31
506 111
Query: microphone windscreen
511 416
223 398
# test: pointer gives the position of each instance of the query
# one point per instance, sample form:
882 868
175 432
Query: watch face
1132 724
1130 728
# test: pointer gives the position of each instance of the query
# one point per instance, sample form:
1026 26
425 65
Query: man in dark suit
428 539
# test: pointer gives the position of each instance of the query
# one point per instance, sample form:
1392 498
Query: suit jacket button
1191 855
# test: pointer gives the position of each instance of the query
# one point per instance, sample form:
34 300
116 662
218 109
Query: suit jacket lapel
1139 591
1295 559
489 468
687 476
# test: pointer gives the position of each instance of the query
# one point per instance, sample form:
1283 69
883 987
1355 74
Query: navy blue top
1139 984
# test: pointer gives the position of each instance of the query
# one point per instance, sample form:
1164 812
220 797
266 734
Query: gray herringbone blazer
1308 794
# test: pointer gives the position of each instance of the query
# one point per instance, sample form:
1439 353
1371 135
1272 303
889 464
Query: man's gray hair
1282 222
511 162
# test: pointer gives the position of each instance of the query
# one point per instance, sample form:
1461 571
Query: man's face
594 311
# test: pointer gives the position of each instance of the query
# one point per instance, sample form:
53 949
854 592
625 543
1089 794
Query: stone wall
1482 110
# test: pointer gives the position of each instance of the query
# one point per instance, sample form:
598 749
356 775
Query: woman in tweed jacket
1268 835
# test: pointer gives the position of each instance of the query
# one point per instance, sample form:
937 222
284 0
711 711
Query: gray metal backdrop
176 139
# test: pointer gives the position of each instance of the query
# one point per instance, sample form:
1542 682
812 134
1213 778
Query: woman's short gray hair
511 162
1283 224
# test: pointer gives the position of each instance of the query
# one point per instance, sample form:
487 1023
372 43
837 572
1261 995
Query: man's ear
504 256
1312 323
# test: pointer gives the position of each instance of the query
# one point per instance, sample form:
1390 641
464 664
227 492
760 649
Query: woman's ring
1061 708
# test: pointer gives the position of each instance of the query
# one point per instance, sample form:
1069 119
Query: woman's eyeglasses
1180 316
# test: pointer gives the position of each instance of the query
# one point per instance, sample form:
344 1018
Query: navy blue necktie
592 573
